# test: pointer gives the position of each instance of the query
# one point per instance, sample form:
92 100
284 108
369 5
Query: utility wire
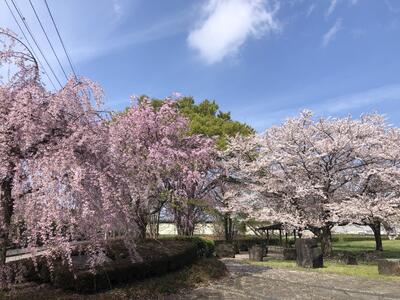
29 44
61 40
48 39
34 40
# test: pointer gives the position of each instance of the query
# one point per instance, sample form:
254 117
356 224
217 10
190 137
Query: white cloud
393 6
361 99
331 7
310 9
117 7
264 116
227 24
330 35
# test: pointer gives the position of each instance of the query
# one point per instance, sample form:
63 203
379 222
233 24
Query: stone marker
347 258
389 267
256 253
308 254
370 256
275 249
224 249
289 254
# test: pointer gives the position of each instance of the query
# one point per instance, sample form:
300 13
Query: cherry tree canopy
158 160
374 195
300 172
193 183
55 178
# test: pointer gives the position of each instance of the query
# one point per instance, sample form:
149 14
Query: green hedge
124 271
356 237
205 247
170 255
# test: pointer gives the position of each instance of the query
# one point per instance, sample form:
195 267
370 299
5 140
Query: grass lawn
391 248
369 271
363 269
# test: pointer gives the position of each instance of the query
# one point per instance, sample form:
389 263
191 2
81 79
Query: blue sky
263 60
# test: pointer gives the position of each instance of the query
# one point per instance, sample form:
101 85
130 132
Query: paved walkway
259 282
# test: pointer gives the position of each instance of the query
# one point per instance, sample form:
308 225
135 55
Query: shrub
355 237
159 257
243 244
205 247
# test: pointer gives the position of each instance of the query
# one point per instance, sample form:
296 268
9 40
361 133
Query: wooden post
267 237
280 236
294 234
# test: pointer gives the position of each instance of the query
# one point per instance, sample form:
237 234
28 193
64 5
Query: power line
29 44
34 40
59 36
48 39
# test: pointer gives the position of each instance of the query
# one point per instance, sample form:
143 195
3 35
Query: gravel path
260 282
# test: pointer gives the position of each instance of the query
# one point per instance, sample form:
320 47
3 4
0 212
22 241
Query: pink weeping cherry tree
306 166
159 163
193 182
55 178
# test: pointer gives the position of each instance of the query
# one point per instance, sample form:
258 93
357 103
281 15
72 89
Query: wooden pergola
273 227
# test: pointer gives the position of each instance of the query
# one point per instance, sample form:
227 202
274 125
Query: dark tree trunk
154 223
184 226
142 227
158 224
142 232
228 227
185 220
325 236
376 228
6 207
326 241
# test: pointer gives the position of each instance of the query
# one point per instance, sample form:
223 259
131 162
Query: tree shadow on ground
239 268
